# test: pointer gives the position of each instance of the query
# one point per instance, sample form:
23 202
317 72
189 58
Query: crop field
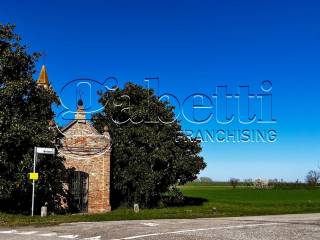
202 200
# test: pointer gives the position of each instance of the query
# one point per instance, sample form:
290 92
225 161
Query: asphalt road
281 227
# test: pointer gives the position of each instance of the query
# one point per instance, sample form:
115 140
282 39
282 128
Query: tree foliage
313 178
25 111
148 156
234 182
206 179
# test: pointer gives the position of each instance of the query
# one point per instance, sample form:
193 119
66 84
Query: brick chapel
87 154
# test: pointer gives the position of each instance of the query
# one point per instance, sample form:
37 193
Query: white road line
150 224
92 238
47 234
68 236
26 233
8 231
199 229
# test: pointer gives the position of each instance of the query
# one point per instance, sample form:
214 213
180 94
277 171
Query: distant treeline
257 183
312 181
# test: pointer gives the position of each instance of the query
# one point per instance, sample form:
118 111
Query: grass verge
227 202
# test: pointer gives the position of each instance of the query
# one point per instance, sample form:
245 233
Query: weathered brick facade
88 151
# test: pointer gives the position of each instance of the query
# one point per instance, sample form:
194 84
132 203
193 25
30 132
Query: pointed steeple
43 79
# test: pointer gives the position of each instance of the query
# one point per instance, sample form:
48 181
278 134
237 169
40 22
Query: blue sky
194 46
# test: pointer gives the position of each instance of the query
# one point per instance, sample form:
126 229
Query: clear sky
194 46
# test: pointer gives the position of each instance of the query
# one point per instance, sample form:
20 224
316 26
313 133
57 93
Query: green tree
313 178
147 158
25 112
234 182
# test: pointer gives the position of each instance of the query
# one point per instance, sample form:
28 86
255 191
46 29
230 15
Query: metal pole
33 181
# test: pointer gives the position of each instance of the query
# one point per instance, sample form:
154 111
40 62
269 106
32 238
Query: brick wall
88 151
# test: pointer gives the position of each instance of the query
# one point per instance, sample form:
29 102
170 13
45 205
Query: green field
247 201
202 198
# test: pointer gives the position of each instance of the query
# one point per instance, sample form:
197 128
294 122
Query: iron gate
78 187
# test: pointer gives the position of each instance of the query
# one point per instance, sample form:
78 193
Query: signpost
42 150
35 176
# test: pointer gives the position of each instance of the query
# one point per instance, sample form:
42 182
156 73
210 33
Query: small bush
173 197
234 182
